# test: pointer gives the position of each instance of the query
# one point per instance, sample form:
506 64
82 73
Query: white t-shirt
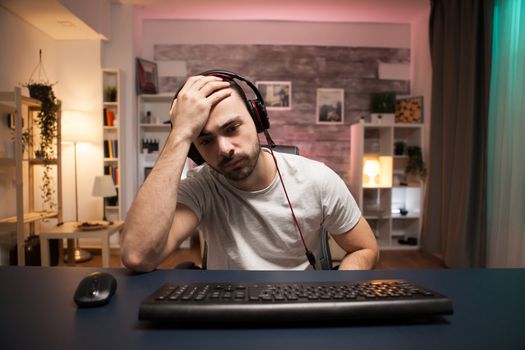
255 230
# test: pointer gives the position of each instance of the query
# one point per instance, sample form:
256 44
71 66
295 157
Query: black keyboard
220 303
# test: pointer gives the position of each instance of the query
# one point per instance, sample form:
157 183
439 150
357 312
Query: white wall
120 52
421 72
20 44
80 89
18 59
75 65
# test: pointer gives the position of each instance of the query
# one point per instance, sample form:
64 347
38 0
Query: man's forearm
146 231
363 259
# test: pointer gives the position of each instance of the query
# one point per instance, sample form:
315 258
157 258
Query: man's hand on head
191 109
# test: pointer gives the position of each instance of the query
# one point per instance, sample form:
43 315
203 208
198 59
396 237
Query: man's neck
262 175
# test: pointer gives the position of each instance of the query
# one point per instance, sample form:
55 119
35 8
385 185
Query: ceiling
370 11
51 17
56 20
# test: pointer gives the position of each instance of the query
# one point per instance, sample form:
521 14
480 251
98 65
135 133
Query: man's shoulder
300 161
302 167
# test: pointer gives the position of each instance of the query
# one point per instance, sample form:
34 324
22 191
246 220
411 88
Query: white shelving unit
21 163
112 109
153 112
392 202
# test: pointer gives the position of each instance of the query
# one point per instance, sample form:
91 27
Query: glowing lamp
377 171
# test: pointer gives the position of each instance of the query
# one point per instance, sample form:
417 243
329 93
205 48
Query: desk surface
37 311
70 229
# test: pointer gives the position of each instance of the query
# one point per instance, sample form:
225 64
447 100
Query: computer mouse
96 289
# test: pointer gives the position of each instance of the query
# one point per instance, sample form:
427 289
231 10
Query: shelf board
30 217
154 126
31 102
111 160
112 207
35 161
164 97
393 125
110 104
376 217
26 101
410 185
405 217
408 125
110 128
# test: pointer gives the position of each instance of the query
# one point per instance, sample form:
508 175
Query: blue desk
37 312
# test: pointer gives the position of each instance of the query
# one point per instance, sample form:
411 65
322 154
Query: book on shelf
113 171
109 117
110 148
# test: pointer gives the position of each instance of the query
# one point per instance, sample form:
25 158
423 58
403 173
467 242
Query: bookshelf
153 113
390 199
23 171
111 115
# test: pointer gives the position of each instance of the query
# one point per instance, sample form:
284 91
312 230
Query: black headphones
256 107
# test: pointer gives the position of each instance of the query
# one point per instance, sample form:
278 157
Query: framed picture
330 106
409 110
147 79
277 95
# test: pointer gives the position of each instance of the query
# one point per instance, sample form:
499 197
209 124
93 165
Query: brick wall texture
354 69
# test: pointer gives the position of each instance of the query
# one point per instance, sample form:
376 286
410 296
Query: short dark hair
240 91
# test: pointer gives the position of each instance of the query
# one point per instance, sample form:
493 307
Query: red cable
309 255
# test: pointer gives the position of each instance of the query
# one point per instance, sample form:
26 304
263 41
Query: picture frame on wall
330 106
147 77
409 110
277 95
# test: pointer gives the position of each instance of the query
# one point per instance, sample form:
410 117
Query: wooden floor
411 259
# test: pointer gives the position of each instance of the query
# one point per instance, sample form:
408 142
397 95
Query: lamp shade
377 171
104 186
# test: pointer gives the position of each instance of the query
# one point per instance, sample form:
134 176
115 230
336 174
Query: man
236 197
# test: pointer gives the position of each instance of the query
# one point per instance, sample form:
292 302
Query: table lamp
77 128
104 187
371 171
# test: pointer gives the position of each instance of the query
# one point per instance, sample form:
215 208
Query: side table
70 231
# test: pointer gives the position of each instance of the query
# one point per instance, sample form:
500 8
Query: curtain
454 225
506 145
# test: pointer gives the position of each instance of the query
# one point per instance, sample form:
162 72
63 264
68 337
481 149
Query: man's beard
240 172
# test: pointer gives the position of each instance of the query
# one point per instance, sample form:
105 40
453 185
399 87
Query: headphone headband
231 75
256 107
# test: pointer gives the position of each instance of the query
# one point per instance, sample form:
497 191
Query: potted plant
110 94
46 120
383 107
415 165
399 148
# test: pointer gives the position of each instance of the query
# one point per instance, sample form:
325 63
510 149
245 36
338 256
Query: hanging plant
46 120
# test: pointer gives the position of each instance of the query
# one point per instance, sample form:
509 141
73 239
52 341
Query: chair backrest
284 149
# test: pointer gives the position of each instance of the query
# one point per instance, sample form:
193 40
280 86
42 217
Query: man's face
228 142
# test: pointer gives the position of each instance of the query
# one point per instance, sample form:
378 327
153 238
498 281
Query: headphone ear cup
259 115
